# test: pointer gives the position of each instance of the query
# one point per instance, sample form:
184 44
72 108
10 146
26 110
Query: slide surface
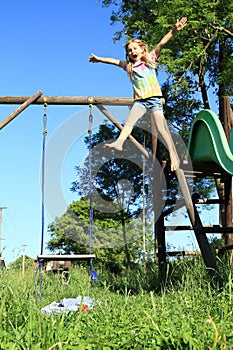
208 143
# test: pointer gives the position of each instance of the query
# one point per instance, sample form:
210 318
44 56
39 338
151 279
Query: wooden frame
196 223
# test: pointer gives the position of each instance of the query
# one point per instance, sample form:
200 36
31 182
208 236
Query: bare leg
135 114
161 125
154 133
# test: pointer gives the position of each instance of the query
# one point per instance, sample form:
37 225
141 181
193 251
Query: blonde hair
144 58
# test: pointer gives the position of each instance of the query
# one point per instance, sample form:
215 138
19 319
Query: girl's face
134 51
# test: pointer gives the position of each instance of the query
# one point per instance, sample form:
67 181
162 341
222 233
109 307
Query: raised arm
178 26
95 59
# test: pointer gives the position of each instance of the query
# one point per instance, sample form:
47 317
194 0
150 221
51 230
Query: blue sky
45 46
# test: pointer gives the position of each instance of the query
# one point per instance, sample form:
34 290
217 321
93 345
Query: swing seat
94 276
49 257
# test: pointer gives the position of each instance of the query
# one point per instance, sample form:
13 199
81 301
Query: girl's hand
93 58
181 24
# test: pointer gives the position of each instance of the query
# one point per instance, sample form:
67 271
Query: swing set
208 168
62 263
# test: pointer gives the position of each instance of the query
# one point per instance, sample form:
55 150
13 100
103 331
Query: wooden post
20 109
202 240
226 118
159 227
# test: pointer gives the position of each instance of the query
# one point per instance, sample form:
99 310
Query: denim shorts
153 103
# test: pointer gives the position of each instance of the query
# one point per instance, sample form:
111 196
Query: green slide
208 143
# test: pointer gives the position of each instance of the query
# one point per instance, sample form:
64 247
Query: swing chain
90 119
90 176
45 119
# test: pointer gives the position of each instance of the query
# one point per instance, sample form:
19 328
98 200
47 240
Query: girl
141 67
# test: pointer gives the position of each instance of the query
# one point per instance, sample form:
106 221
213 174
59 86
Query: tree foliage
198 60
18 263
70 234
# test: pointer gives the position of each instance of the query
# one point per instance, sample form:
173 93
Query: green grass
188 314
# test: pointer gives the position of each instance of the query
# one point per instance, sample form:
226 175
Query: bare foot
115 145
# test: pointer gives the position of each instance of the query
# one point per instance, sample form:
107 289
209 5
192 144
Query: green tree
18 263
198 61
70 234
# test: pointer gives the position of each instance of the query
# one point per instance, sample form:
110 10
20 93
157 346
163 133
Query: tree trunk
127 255
202 84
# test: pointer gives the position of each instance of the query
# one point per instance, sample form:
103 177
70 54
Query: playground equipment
216 154
211 150
62 263
208 143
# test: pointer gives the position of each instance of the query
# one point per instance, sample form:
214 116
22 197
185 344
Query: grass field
189 313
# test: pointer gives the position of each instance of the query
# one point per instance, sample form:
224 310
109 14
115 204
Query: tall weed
133 312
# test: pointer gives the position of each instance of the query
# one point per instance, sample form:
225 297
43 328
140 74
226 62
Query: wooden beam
201 170
177 204
178 228
25 104
225 248
183 253
203 229
68 100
